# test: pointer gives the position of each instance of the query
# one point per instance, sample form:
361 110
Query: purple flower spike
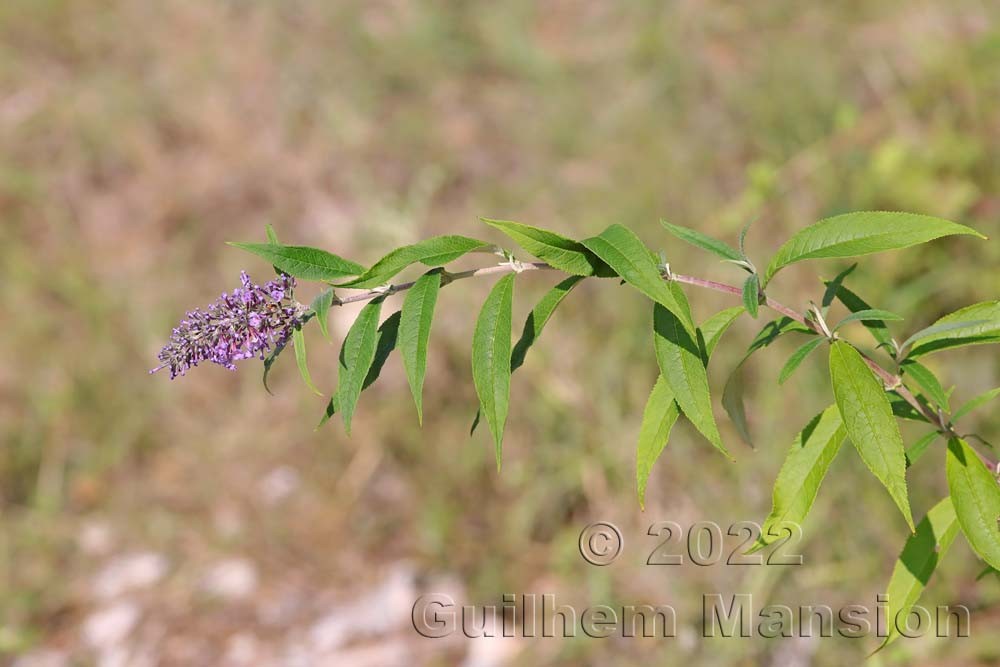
242 325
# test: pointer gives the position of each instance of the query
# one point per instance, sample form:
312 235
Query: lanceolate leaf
356 357
914 453
388 333
869 421
751 294
538 318
902 408
533 326
802 473
299 343
321 306
976 495
414 331
657 420
797 358
435 251
683 369
973 325
563 253
976 402
696 238
491 358
927 381
869 315
862 233
302 262
624 252
714 327
732 402
921 555
272 236
269 362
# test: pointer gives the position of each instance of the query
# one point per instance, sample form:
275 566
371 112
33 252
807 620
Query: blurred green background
203 521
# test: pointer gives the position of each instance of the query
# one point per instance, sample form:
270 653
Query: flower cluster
241 325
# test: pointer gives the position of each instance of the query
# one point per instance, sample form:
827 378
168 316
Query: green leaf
269 362
414 332
976 495
973 325
491 358
538 318
533 326
751 294
714 327
869 421
854 303
299 343
624 252
914 453
862 233
732 402
696 238
868 315
388 333
920 557
976 402
902 408
272 236
658 419
558 251
802 473
797 358
303 262
321 306
356 357
683 369
927 381
774 330
435 251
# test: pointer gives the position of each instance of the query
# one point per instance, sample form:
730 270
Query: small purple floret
245 324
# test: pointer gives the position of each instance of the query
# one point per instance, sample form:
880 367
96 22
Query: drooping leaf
975 403
916 451
684 371
869 421
862 233
802 473
732 402
388 333
774 330
658 419
751 294
624 252
491 358
435 251
869 315
920 557
976 495
714 327
927 381
303 262
299 343
533 326
356 356
414 332
558 251
538 318
321 306
973 325
697 239
797 358
269 362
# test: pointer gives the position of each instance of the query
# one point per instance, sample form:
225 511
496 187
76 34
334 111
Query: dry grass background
205 522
